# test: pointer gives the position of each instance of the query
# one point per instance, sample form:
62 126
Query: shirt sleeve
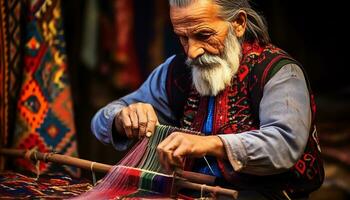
285 120
152 91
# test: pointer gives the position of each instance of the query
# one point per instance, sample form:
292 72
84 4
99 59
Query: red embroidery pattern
233 114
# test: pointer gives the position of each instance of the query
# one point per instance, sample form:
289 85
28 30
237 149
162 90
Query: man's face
199 28
210 43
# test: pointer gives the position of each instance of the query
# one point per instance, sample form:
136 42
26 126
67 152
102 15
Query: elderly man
249 98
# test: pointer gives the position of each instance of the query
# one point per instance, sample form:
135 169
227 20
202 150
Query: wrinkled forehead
199 11
182 3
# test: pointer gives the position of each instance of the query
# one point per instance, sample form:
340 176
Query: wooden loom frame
183 179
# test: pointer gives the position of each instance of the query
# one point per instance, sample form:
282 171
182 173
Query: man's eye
203 36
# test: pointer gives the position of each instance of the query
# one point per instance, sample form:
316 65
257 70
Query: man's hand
173 150
137 120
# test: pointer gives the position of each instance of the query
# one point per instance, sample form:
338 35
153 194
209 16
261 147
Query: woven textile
139 174
49 186
10 66
44 108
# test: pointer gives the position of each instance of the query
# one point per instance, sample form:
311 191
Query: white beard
212 74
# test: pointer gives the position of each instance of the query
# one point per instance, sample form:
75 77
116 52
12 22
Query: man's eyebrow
194 29
204 29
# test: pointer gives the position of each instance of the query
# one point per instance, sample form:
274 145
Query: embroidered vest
237 110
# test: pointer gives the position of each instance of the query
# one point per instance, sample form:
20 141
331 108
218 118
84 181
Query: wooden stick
185 179
206 188
196 177
57 158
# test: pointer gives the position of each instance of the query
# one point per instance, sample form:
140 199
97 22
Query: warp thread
139 173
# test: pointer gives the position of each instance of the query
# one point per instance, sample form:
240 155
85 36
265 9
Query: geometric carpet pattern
44 107
48 186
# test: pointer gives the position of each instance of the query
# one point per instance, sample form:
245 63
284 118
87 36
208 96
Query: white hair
211 74
229 9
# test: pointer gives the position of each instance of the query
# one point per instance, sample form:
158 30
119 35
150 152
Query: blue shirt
285 120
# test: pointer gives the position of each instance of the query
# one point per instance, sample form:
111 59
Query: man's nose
194 49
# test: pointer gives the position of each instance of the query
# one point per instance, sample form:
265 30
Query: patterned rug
10 66
44 108
49 186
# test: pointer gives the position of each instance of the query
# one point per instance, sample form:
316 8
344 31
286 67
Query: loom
138 174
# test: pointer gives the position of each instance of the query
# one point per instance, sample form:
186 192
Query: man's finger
126 123
167 148
165 142
179 155
151 122
162 159
172 147
128 132
134 124
148 134
169 161
142 122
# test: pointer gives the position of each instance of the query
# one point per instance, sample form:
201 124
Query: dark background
314 33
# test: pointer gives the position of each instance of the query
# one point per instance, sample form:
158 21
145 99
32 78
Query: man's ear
239 24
